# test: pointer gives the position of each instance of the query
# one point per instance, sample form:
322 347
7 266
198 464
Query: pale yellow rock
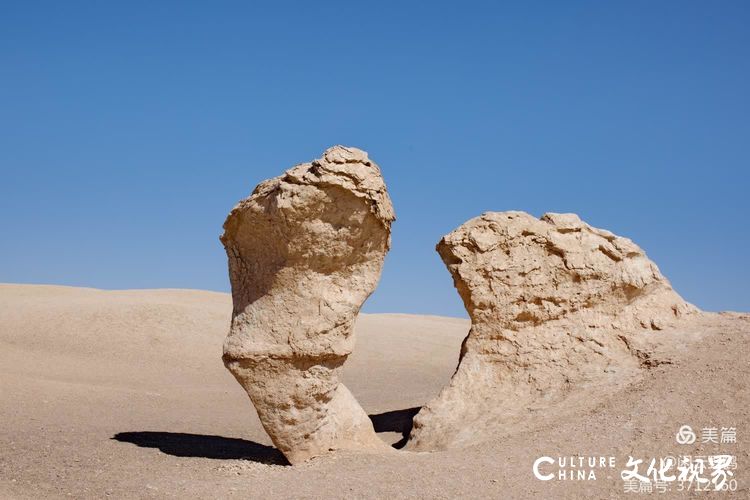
305 251
555 304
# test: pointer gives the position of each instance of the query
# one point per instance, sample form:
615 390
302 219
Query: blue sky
128 130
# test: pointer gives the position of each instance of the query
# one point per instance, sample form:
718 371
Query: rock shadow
400 421
180 444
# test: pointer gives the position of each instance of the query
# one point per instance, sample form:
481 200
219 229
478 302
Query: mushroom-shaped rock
305 251
554 304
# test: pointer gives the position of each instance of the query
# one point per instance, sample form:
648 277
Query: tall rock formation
305 251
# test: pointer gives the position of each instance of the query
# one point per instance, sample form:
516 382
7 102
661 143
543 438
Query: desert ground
123 394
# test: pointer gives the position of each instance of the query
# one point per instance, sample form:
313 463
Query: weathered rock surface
305 251
555 304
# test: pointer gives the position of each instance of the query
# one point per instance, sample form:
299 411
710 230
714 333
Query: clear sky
128 130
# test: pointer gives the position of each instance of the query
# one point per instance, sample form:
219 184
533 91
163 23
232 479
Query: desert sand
124 394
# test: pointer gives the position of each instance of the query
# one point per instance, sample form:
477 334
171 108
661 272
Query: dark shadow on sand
400 421
179 444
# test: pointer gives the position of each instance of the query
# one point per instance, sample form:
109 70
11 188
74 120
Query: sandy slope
123 394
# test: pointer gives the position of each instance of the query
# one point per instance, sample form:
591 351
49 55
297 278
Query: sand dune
123 394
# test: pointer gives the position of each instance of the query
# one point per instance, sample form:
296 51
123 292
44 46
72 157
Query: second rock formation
554 304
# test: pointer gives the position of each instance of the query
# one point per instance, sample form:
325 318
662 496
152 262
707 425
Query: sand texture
123 394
